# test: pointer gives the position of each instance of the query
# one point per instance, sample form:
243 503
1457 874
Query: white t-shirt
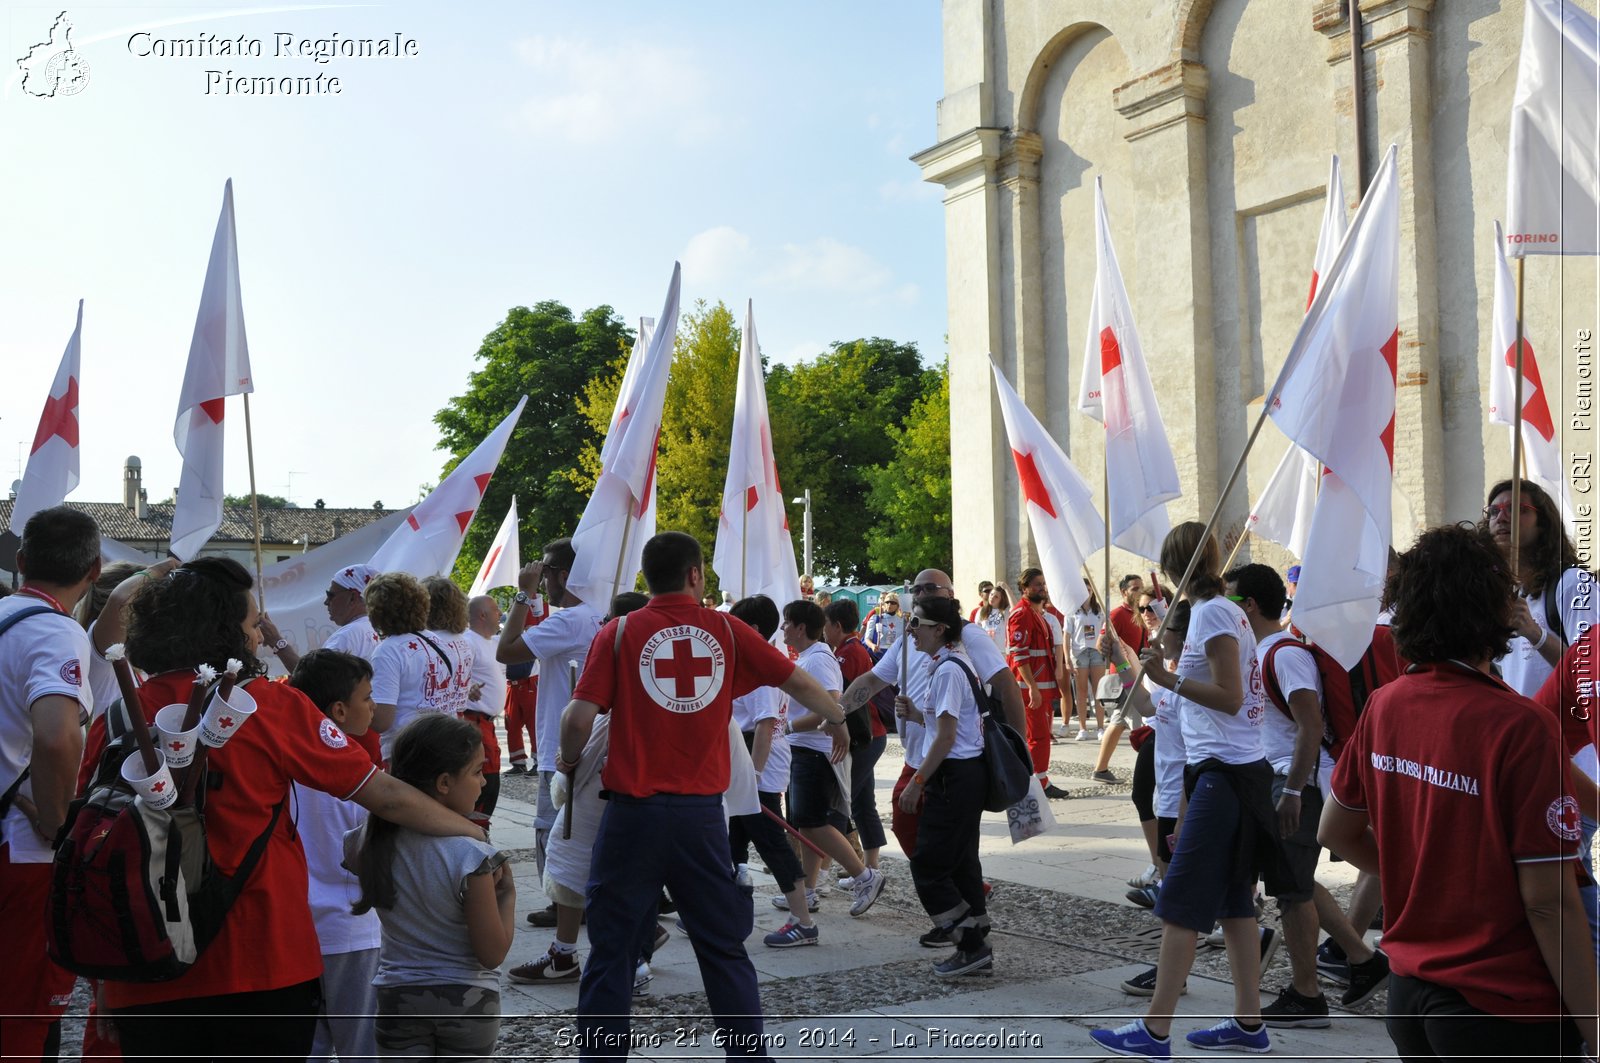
462 656
321 821
1055 630
1523 668
1294 669
986 659
1086 629
1232 739
950 694
409 675
561 637
567 859
886 629
1170 753
764 707
488 671
817 661
356 637
994 625
39 656
102 677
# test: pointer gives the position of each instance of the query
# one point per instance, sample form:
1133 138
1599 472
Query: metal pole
255 501
1516 434
1358 94
806 534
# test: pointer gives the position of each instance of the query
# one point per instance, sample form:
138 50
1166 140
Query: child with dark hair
446 904
340 685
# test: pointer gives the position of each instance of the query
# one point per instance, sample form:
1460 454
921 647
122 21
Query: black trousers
1430 1021
769 839
1144 781
945 868
270 1024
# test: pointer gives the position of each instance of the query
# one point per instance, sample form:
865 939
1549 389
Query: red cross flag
755 551
500 564
1335 397
1116 392
621 513
52 470
219 366
1538 426
1553 179
1331 234
427 543
1066 526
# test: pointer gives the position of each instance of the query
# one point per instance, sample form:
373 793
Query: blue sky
529 151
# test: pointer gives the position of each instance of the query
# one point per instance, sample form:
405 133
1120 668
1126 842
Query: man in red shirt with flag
1031 653
668 673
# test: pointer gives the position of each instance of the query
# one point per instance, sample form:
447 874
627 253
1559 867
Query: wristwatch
280 645
521 598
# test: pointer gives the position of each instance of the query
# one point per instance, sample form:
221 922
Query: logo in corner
54 67
1563 819
330 734
72 672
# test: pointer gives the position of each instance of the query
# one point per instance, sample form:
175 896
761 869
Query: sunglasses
1147 608
922 621
1501 509
928 588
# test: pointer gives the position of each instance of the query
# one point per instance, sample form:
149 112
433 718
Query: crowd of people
670 732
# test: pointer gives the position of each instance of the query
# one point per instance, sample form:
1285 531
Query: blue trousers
681 842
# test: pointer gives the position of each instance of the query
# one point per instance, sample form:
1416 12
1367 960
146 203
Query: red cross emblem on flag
682 668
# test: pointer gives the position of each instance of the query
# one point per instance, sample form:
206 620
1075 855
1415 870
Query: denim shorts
1198 888
1088 657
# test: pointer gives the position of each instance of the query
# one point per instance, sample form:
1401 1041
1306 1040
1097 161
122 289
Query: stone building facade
1212 123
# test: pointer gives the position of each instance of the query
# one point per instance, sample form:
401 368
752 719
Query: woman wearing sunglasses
1554 602
949 788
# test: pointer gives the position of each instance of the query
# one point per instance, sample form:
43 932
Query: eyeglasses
928 588
1502 509
922 621
1147 608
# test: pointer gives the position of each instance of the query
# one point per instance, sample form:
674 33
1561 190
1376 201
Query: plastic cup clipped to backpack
177 745
158 790
224 718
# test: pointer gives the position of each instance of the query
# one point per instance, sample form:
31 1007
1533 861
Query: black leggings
1144 781
768 838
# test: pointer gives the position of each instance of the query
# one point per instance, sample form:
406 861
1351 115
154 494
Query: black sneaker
1104 776
1144 985
937 938
1291 1010
1366 979
1056 793
1270 940
1332 963
980 961
543 917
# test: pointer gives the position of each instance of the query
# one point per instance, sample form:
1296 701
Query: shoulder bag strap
447 665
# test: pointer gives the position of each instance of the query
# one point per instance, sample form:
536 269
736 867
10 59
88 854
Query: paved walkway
1061 943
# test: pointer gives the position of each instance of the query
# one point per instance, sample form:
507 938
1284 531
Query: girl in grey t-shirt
446 904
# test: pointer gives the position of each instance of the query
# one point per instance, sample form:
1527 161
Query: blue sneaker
1133 1040
791 935
1228 1036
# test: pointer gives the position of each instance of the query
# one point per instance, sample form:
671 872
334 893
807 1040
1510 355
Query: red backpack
1344 693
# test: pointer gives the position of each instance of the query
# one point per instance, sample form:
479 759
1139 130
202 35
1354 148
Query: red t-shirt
670 692
269 940
1028 642
854 660
1570 689
1454 815
1128 628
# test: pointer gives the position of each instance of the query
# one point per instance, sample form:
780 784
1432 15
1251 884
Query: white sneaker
1215 939
866 891
1148 877
847 883
1082 736
641 979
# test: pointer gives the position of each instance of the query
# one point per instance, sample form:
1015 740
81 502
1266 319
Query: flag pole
1517 455
1243 534
744 548
255 501
627 530
1105 483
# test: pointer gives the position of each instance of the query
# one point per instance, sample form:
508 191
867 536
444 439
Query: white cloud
716 255
587 94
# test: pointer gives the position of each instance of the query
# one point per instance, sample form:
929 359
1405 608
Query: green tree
267 501
833 422
910 496
545 353
697 424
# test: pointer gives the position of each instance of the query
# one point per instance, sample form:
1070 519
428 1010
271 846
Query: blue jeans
681 842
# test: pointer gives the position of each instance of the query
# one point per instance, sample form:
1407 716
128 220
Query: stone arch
1026 120
1192 16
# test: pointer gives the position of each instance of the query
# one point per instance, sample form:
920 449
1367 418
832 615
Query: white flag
429 540
755 551
52 470
1539 441
501 563
1331 234
1282 514
1336 399
1553 183
219 366
1116 392
620 515
1066 526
